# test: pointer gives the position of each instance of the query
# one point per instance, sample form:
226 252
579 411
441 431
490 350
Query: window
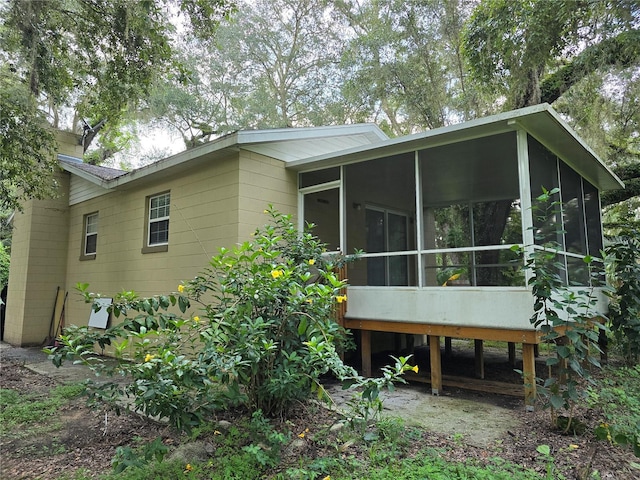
157 225
89 237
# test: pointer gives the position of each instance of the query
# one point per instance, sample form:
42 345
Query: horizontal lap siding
203 218
83 190
38 260
264 181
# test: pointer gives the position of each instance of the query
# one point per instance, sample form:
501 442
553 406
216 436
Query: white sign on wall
100 318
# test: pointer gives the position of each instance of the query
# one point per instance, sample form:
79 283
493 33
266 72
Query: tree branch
622 50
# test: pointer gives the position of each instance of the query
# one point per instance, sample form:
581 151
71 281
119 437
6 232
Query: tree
88 61
26 155
544 50
535 51
285 55
405 65
198 99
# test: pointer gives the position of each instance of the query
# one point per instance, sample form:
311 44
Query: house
435 214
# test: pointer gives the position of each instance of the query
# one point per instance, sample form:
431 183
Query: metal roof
540 121
312 148
284 144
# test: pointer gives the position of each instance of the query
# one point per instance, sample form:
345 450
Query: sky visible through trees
407 65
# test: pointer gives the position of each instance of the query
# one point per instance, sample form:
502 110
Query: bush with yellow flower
263 336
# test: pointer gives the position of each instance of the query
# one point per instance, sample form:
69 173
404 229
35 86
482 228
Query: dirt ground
467 425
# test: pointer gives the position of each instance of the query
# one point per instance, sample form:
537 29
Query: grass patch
250 451
19 413
618 396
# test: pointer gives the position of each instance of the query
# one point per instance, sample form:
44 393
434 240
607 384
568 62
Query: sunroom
435 216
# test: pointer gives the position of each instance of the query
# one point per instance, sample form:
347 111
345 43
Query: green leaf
544 449
557 401
183 303
302 326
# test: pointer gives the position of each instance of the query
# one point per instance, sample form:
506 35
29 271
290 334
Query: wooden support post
479 351
365 347
529 372
447 347
436 364
536 350
512 353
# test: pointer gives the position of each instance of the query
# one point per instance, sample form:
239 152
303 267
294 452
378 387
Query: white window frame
90 220
151 220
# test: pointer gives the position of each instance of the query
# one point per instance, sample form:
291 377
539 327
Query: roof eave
588 162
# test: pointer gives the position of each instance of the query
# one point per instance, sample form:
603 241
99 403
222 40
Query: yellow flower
309 300
180 288
265 211
573 446
328 477
276 273
196 319
312 262
415 369
149 357
188 468
301 435
341 298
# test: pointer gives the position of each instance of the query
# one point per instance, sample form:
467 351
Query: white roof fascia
69 167
247 137
218 145
235 140
589 164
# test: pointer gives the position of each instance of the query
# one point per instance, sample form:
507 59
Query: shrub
263 334
565 317
4 266
623 257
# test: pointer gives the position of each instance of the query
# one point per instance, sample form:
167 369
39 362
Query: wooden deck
529 339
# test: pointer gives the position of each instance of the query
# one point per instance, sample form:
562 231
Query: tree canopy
205 68
84 65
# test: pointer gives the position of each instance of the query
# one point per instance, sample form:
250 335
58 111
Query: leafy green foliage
97 59
4 266
27 161
516 47
127 457
618 395
565 316
623 256
264 335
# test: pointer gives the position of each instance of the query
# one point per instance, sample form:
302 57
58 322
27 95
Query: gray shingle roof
105 173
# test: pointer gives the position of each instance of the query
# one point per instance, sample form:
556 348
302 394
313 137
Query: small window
159 219
157 224
90 237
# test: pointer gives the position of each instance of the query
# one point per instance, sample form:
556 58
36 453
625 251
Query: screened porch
434 219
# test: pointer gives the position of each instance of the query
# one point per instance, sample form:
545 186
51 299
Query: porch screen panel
593 219
573 211
380 219
323 210
471 205
574 225
594 230
543 173
318 177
